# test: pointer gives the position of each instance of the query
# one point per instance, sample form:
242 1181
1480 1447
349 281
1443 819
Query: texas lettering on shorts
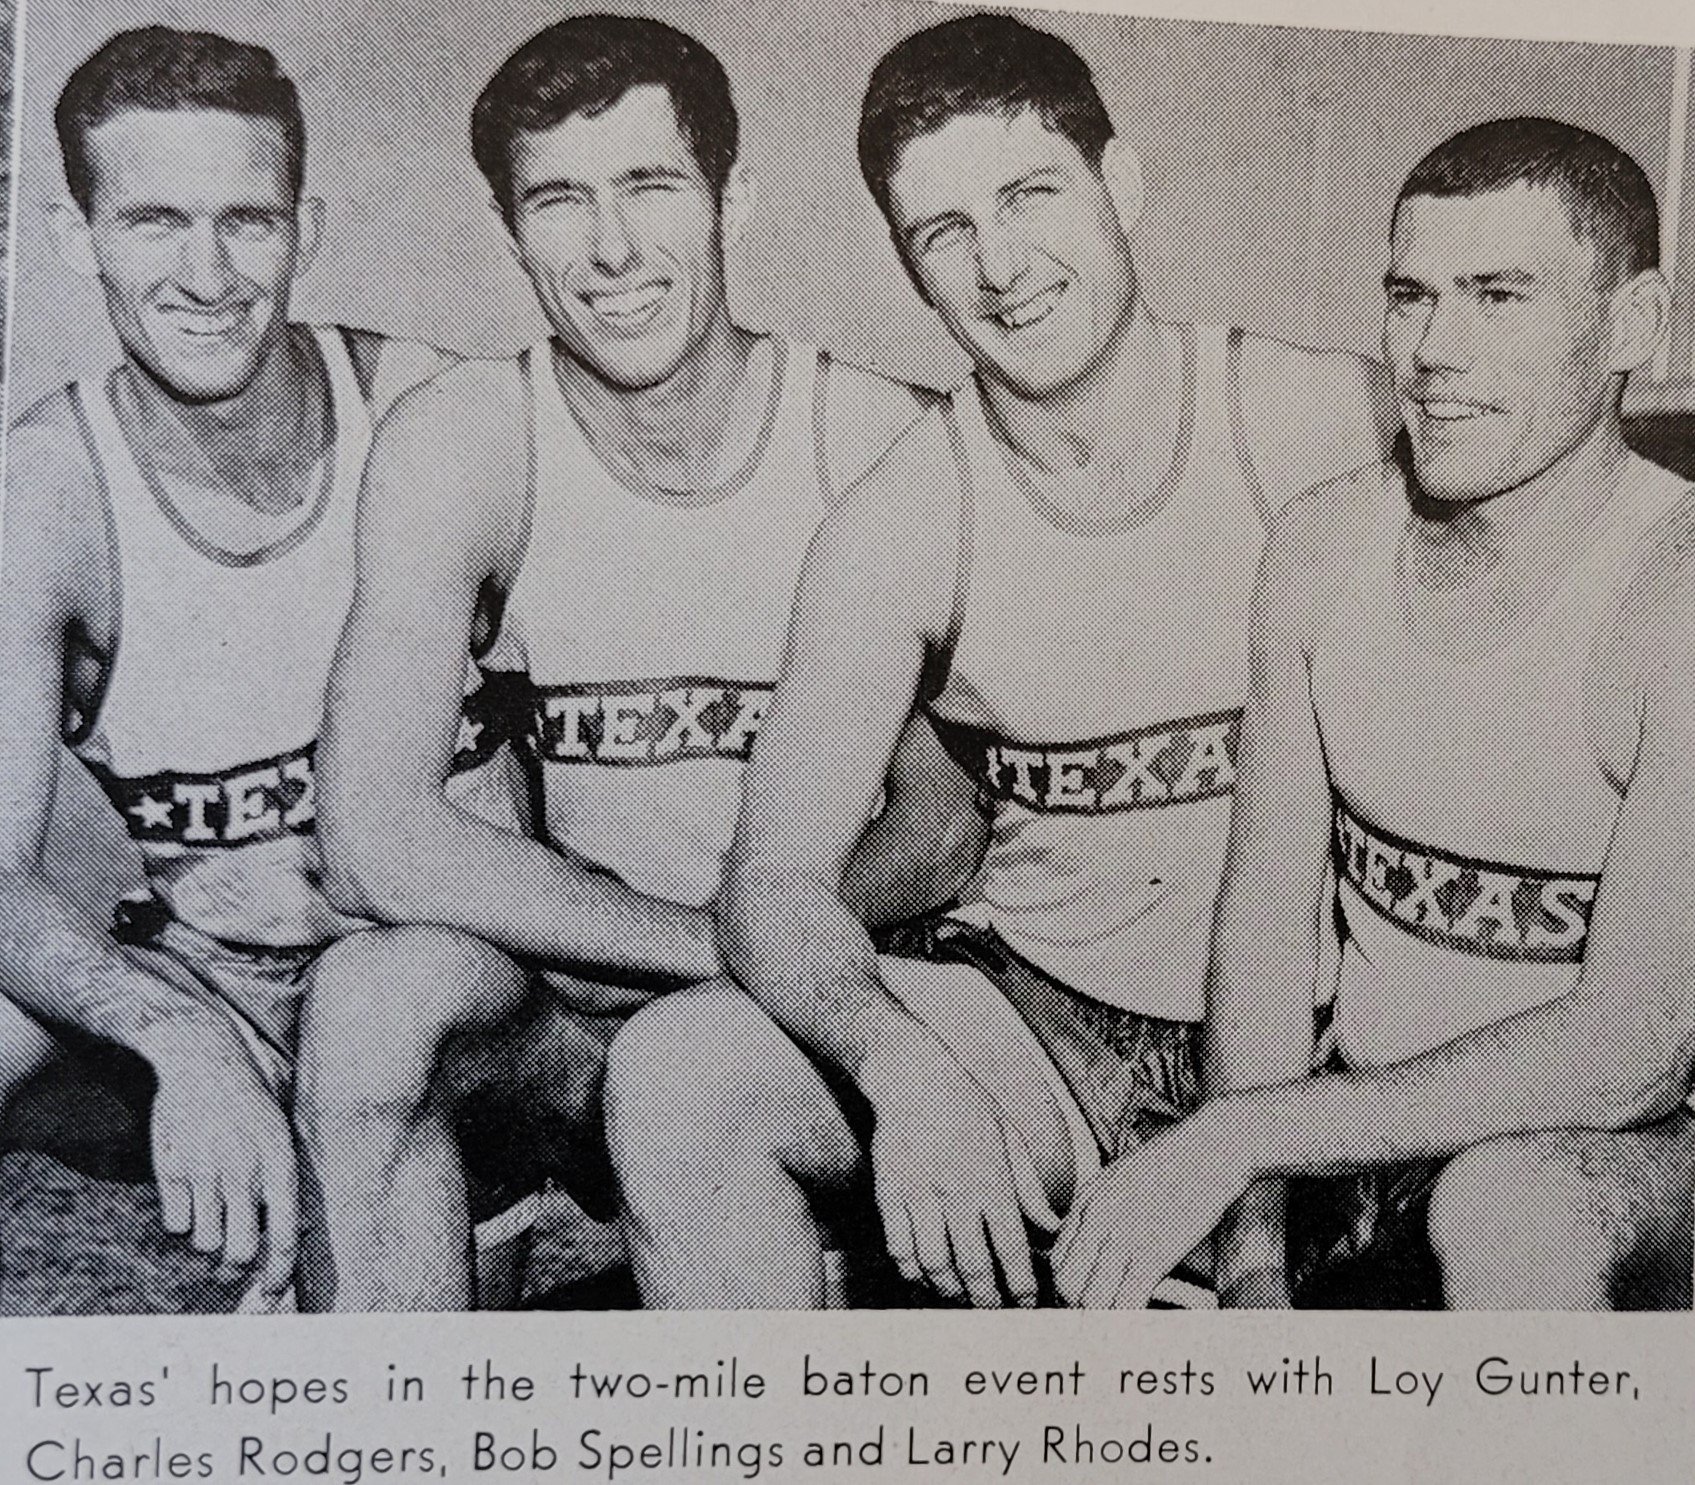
1151 767
632 724
251 802
1470 906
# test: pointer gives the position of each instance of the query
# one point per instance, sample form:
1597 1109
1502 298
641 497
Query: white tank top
1472 814
203 737
1095 692
651 627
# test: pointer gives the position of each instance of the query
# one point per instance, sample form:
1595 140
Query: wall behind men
1272 154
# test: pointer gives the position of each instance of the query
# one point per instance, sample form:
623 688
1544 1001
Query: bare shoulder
389 366
899 529
1653 632
57 526
1318 539
1310 416
861 414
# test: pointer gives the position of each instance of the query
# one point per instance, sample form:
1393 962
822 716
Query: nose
1002 257
1445 341
613 247
203 266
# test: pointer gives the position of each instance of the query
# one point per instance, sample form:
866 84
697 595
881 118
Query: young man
1057 562
178 562
1471 695
625 506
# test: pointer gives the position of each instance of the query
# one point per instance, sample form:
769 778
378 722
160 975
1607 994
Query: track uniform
1094 689
650 624
1472 819
203 734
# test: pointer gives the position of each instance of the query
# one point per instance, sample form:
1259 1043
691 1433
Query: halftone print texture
1111 731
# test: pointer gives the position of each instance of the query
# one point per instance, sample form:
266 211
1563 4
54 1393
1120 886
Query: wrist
901 1056
188 1042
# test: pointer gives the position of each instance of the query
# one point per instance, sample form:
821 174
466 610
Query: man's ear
739 197
71 237
1125 183
309 216
1640 321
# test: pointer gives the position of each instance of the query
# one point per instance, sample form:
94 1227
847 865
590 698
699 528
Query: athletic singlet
1095 692
204 736
1472 815
651 627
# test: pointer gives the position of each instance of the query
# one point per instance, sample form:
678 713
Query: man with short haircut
1471 697
622 512
178 562
1057 562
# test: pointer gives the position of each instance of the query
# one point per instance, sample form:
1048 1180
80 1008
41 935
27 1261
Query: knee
382 1004
1525 1220
674 1065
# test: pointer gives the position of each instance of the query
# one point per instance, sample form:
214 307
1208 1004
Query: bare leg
1569 1220
26 1048
721 1131
387 1226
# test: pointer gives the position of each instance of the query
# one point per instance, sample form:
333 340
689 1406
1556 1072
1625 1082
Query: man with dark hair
624 509
1470 699
178 563
1056 562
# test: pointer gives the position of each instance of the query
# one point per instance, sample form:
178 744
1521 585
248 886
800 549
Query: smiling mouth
208 324
1030 311
1451 410
626 309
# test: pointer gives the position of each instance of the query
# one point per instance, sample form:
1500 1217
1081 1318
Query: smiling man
1472 698
1057 563
178 563
618 515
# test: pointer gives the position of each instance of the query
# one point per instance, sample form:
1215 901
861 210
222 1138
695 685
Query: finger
897 1236
282 1226
1011 1245
1110 1274
1071 1276
208 1216
971 1260
241 1228
176 1205
1135 1291
935 1254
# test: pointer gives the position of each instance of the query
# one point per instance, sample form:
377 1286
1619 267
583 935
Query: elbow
366 871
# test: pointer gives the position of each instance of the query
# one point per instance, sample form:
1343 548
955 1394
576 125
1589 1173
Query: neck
679 432
1547 509
1115 401
224 439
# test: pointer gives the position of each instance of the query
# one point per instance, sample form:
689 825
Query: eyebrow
1041 172
1509 278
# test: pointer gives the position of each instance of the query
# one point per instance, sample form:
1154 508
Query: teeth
206 322
1031 310
628 304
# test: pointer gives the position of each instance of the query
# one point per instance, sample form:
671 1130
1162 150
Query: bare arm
877 591
443 515
1265 945
227 1179
925 842
1613 1053
58 965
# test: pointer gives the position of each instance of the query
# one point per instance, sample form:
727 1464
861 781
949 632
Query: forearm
1582 1061
441 866
799 950
63 970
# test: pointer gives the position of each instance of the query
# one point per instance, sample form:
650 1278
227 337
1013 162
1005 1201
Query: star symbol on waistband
154 814
469 732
